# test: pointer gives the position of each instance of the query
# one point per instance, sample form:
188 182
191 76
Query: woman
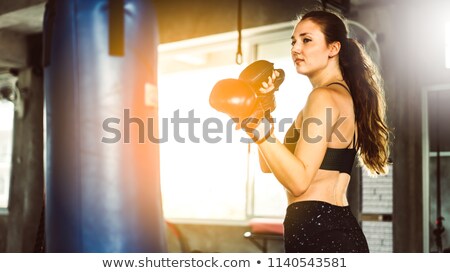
344 115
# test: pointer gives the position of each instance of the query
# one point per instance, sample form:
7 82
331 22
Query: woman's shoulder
322 95
333 96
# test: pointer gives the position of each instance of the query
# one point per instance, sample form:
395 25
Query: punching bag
102 174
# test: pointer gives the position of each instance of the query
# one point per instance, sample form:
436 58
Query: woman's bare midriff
328 186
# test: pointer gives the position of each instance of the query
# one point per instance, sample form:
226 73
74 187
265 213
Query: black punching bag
102 172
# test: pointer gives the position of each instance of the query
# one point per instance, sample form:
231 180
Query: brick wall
377 200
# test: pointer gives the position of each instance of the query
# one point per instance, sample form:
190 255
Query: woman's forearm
263 164
287 168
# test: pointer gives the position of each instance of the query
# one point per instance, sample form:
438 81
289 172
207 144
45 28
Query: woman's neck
331 73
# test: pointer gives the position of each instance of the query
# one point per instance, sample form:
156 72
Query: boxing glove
234 98
238 100
243 101
257 73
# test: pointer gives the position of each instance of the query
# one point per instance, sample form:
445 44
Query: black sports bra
335 159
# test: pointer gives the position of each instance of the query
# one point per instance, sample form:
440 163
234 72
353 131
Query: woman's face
309 50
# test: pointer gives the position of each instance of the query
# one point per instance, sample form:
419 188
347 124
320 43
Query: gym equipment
100 62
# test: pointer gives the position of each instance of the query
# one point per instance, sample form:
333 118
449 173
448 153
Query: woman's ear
334 47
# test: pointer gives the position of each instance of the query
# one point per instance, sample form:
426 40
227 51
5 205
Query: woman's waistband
316 204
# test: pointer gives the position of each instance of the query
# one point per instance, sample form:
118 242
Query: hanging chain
239 58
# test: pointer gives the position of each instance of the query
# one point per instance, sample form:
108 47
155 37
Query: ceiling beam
12 6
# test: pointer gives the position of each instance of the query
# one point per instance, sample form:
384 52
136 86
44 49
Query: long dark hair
365 83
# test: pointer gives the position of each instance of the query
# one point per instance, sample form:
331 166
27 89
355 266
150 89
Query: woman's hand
269 85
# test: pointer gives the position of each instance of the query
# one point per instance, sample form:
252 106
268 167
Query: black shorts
316 226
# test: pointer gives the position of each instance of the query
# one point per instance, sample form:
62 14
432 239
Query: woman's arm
296 171
290 136
262 163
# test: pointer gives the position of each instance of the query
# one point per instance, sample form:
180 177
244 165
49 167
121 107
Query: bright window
6 143
200 179
447 45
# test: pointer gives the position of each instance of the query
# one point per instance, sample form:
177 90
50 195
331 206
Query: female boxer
344 117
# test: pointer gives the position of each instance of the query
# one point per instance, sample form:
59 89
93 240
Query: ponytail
365 83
